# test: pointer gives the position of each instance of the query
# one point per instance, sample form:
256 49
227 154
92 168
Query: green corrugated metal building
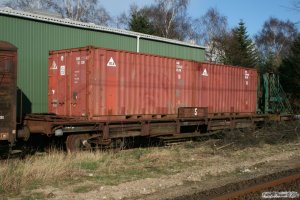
35 35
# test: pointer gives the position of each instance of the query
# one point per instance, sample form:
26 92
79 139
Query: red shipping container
97 82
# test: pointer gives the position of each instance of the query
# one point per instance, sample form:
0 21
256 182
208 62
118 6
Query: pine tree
140 23
239 49
289 72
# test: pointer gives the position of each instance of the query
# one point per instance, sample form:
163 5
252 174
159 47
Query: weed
88 165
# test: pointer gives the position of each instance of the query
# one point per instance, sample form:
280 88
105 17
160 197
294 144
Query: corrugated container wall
34 39
97 82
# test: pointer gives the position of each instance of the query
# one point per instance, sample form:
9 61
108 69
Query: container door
179 83
111 82
57 89
247 90
78 72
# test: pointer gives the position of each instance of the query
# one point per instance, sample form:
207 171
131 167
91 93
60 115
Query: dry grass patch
84 171
106 168
33 171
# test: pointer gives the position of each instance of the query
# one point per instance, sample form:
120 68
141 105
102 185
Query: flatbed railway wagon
99 96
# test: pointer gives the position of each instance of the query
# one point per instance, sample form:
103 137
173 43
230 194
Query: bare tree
79 10
82 10
210 29
168 18
97 15
168 11
28 4
274 40
123 20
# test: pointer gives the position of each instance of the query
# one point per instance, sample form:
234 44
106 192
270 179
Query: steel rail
259 187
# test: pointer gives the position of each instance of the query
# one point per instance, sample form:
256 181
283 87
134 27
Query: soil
233 187
194 180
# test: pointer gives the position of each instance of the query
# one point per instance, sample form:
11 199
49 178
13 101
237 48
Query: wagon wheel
77 142
117 144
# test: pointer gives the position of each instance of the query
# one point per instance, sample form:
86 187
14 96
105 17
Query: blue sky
253 12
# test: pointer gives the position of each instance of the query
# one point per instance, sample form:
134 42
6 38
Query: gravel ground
192 181
233 187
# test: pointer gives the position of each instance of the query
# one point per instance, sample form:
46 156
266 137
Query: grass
105 168
35 196
86 171
88 165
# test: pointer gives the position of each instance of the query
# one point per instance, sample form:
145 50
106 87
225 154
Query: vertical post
138 43
266 92
259 95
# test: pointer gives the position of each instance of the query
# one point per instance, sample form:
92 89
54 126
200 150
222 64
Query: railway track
280 185
267 190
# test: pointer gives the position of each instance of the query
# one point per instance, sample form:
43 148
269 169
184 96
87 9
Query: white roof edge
68 22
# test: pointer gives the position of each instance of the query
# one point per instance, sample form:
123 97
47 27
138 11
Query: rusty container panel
97 82
8 88
227 89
